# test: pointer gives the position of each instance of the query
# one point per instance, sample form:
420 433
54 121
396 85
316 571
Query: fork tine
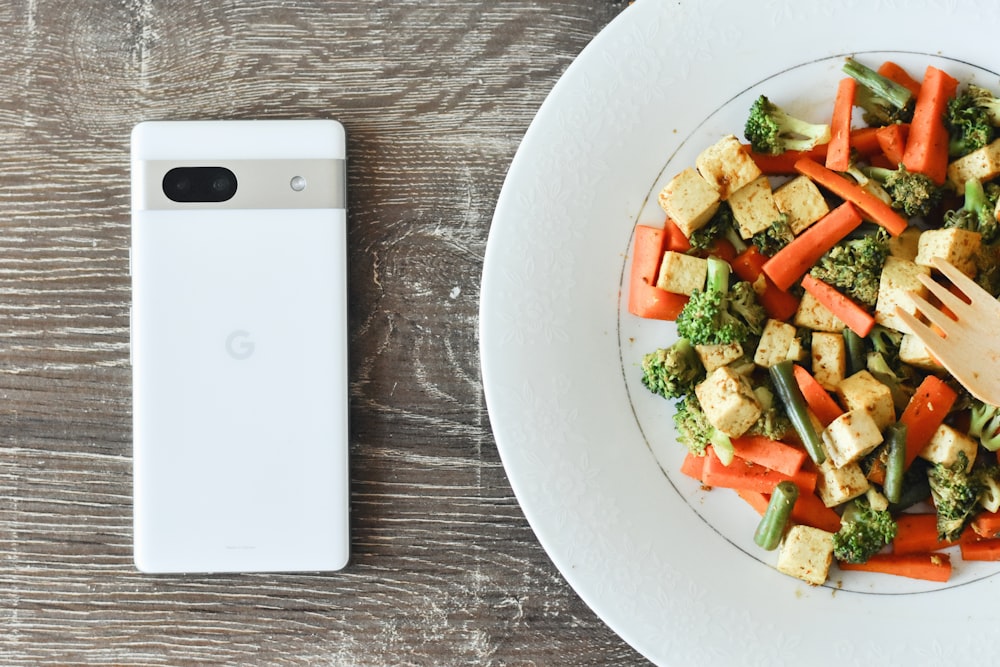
943 350
919 329
938 318
963 282
947 298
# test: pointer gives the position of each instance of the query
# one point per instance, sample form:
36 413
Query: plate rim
543 529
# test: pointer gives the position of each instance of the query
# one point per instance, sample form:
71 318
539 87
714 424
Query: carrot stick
749 266
930 567
775 455
987 524
927 146
784 163
981 550
808 510
645 299
894 72
693 465
757 500
857 319
917 533
819 400
864 141
651 302
742 474
723 249
872 206
892 141
675 239
791 262
880 160
838 154
648 253
811 511
924 413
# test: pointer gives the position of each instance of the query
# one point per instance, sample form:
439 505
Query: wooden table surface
435 95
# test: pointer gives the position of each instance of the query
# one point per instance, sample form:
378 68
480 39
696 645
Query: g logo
239 346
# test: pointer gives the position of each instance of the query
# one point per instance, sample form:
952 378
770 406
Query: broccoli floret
722 225
985 99
886 342
956 495
743 304
969 125
694 430
883 363
913 193
976 214
855 266
984 424
883 101
720 314
897 380
674 371
773 422
770 129
864 531
987 260
988 480
777 235
992 190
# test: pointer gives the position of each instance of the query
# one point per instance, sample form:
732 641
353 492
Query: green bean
916 487
856 355
788 391
772 525
895 464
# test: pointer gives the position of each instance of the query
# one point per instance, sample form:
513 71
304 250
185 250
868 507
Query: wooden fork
968 341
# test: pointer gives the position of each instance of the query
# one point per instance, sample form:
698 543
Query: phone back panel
239 353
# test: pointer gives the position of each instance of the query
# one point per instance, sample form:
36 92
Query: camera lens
199 184
221 184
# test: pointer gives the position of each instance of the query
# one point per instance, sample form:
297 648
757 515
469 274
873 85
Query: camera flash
298 183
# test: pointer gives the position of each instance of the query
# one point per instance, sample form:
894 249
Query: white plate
590 454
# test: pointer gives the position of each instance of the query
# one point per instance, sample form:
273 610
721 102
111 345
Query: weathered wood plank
436 95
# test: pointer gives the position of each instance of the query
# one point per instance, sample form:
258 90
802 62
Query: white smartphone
239 346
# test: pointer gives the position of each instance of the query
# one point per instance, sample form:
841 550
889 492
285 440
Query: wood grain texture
435 95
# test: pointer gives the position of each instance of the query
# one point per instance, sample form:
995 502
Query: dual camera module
199 184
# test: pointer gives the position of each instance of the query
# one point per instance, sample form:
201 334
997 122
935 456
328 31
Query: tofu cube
982 164
806 553
689 200
912 351
801 201
728 401
682 274
775 344
714 356
829 359
812 314
899 276
753 207
956 246
945 445
851 436
727 166
904 246
862 391
838 485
